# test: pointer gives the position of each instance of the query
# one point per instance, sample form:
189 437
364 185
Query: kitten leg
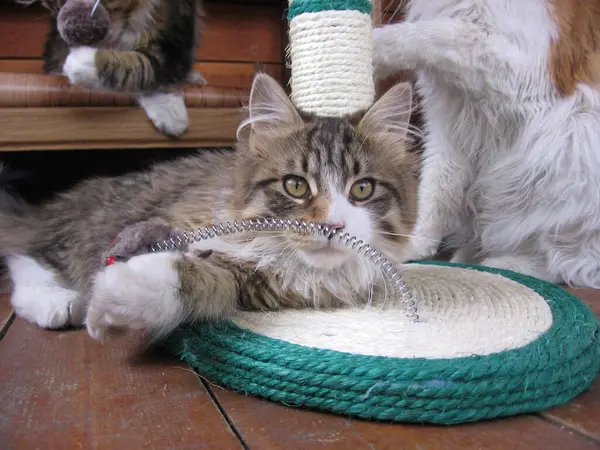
157 292
452 46
39 298
444 175
167 111
129 72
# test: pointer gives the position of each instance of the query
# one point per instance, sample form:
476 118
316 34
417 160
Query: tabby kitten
352 173
149 51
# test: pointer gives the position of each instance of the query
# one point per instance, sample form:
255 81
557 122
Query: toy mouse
83 22
137 240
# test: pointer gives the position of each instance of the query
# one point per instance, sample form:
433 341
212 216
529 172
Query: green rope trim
553 369
314 6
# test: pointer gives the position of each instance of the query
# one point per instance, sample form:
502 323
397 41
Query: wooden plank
582 414
233 32
226 75
242 33
6 312
590 297
108 127
22 30
65 390
263 424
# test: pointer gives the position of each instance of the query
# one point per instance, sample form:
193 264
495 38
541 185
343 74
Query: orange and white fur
511 101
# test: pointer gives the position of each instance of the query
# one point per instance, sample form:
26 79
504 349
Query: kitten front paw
420 248
141 294
80 68
167 111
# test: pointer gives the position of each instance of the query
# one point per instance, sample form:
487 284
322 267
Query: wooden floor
64 390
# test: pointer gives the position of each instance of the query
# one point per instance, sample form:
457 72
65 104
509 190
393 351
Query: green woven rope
314 6
559 365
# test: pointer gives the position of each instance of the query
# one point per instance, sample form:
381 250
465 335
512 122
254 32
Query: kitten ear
270 108
391 113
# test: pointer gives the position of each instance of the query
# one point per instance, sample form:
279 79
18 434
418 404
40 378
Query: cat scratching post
489 343
331 55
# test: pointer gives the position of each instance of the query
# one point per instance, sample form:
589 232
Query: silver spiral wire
389 271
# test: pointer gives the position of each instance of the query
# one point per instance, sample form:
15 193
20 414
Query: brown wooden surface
64 390
19 90
109 127
271 426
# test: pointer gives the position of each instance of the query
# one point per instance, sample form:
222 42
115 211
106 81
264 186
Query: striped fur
150 45
66 238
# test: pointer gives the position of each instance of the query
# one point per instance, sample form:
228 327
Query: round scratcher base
491 343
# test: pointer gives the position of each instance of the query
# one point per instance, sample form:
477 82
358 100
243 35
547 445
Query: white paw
80 68
420 248
141 294
38 298
48 306
167 111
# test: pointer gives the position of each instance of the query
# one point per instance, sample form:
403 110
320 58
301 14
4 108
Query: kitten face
349 173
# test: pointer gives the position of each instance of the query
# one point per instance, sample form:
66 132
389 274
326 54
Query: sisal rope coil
556 366
454 306
331 57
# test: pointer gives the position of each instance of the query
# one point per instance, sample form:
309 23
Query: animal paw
196 79
80 68
141 294
39 297
138 239
420 248
58 308
167 111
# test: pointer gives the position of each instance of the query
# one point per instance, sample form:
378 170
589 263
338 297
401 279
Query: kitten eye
362 190
297 187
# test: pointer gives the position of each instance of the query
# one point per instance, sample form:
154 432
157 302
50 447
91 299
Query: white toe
80 68
167 111
39 298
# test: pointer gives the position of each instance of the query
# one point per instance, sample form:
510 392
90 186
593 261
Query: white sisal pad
462 312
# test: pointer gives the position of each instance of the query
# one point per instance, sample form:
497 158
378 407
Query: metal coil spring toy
389 271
